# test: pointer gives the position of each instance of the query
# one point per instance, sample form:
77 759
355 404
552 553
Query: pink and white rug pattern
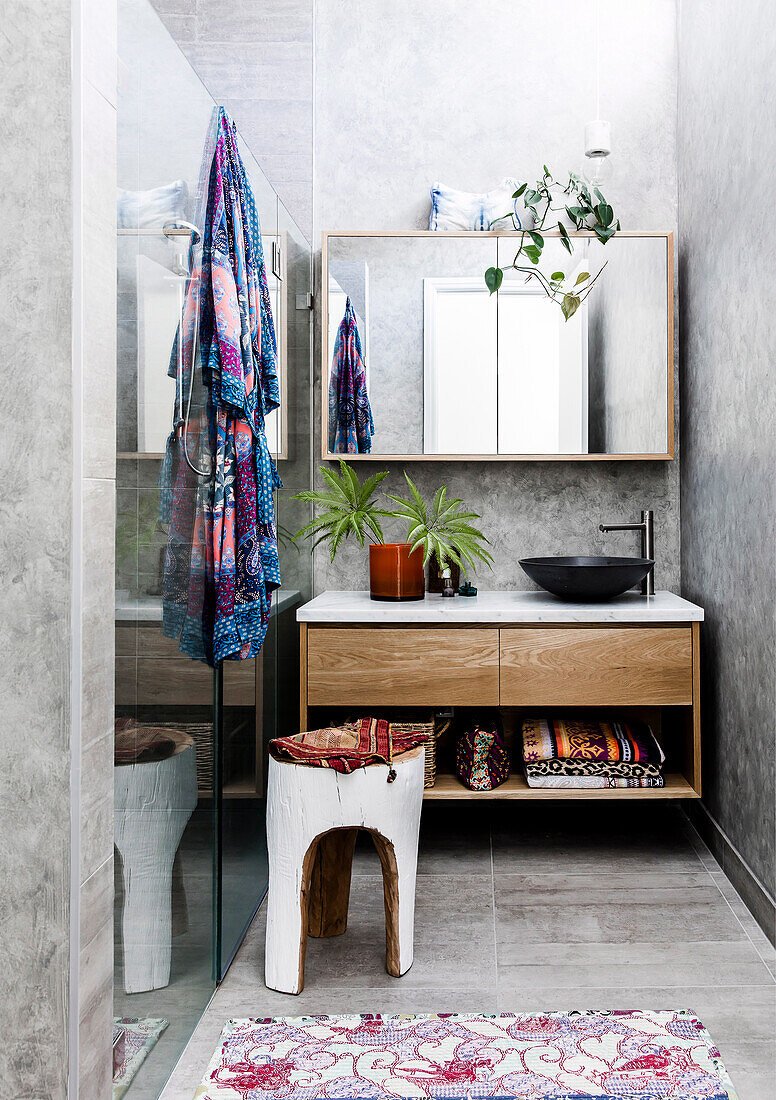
133 1038
536 1056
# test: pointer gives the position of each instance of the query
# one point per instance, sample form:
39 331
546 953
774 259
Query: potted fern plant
444 532
346 507
396 569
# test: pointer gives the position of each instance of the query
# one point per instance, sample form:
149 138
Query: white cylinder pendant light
598 138
598 132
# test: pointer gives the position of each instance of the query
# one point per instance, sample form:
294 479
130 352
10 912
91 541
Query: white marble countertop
148 609
498 607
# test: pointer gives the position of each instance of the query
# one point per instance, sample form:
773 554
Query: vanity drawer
407 666
596 666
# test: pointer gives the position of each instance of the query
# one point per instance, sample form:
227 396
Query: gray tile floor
546 906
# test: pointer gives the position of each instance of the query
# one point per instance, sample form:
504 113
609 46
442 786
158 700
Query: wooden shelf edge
449 787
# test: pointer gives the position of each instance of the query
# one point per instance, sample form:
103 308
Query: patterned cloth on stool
313 817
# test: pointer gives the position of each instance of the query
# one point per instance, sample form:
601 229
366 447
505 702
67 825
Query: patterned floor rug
133 1039
536 1056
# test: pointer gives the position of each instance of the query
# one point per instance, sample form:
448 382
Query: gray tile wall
725 153
256 59
35 546
98 509
408 95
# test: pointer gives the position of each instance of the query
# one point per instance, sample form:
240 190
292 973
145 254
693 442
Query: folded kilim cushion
601 742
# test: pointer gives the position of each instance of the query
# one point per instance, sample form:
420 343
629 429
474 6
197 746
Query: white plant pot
558 215
524 216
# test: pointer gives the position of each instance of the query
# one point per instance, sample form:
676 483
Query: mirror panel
384 278
451 370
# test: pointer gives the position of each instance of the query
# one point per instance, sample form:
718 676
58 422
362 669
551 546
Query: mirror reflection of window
502 375
542 374
459 401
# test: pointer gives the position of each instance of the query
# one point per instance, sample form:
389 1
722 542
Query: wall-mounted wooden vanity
518 651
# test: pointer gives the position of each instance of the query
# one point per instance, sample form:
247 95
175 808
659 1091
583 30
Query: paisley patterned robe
222 561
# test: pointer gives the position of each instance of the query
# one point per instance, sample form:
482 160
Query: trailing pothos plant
583 209
443 529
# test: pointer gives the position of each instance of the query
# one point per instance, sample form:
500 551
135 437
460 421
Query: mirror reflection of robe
351 426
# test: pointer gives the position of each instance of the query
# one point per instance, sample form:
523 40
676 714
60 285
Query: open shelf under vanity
449 787
519 654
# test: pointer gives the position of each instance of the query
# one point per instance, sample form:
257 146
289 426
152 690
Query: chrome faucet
647 529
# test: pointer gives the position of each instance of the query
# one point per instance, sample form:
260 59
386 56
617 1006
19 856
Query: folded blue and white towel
463 210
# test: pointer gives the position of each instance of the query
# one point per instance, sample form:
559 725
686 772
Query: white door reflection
503 374
460 366
542 374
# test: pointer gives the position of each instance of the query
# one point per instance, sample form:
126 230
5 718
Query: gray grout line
701 847
598 873
741 923
493 905
489 868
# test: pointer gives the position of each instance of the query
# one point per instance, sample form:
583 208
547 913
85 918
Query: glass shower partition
288 259
242 851
191 866
294 466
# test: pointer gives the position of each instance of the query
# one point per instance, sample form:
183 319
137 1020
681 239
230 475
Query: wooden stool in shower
313 817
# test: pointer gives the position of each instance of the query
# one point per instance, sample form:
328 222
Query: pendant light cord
597 58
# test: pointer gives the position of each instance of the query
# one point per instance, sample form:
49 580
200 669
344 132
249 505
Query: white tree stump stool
153 803
313 817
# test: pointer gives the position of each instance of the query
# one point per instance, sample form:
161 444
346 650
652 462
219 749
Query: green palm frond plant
442 529
345 508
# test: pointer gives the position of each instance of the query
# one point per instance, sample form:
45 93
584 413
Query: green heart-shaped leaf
570 305
493 279
605 214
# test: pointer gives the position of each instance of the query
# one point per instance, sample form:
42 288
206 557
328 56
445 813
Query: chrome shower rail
155 232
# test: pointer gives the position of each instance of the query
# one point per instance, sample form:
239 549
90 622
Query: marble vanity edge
149 608
498 607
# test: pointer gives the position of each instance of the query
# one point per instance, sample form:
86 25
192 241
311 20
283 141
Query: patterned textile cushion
585 739
354 745
481 758
571 782
614 770
451 209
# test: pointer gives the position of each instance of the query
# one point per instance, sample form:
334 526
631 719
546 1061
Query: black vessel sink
587 578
